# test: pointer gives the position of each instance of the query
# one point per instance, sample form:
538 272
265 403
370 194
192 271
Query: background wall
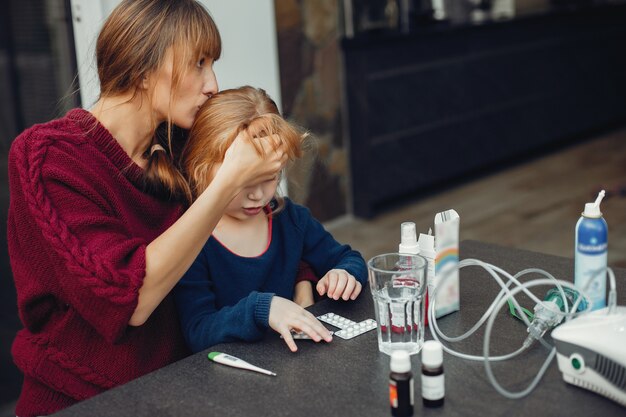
248 34
310 69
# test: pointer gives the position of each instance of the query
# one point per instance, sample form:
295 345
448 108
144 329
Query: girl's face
250 202
198 83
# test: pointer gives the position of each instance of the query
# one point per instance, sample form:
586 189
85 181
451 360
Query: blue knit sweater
224 297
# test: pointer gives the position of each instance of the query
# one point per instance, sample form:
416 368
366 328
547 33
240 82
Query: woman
96 241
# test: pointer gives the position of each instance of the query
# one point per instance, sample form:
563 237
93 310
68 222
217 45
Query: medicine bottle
433 384
401 384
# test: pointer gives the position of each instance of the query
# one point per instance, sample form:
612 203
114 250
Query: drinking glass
398 283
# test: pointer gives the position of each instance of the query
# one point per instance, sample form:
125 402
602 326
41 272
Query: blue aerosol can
590 255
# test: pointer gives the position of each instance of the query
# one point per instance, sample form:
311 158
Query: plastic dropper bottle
433 382
590 253
401 384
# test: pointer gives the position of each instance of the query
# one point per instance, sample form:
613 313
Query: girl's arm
204 324
171 254
343 269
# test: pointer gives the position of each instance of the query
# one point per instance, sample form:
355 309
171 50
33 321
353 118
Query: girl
243 280
96 236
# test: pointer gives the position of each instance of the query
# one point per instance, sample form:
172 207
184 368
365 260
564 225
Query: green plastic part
514 313
212 355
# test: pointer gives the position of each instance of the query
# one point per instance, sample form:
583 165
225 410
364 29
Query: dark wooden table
350 378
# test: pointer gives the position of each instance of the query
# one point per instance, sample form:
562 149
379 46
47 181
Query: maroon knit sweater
78 227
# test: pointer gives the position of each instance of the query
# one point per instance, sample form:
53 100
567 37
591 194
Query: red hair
224 116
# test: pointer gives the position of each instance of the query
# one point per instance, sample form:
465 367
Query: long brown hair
133 43
246 109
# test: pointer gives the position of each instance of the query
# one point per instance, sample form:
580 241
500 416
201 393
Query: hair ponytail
162 174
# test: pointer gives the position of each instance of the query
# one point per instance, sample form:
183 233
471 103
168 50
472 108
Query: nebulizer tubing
479 322
612 306
612 301
433 321
496 306
487 338
493 271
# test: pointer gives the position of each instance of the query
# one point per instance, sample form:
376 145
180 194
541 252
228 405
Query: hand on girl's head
286 315
272 147
338 283
253 160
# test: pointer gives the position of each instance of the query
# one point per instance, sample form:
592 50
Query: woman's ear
145 82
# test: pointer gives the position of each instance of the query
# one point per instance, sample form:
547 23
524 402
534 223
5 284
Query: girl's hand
286 315
338 283
303 294
253 160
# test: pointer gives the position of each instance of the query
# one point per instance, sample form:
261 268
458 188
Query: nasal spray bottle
590 253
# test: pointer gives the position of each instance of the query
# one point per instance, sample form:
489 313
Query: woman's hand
303 294
286 315
253 160
338 283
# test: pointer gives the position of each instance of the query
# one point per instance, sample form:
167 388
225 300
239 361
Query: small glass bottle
433 383
401 395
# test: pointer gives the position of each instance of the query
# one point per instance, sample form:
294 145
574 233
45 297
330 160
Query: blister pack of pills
349 328
301 335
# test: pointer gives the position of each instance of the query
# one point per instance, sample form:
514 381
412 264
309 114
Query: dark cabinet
439 103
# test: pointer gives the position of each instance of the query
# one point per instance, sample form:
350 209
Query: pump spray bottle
408 239
590 253
408 246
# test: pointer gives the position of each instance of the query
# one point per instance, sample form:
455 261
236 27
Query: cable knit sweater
77 231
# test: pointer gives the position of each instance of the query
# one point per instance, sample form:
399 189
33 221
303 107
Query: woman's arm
171 254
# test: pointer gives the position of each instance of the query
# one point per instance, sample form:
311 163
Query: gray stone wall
310 68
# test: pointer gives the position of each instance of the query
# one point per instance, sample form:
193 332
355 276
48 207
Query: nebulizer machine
589 343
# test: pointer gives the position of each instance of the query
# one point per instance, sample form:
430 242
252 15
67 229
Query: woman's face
197 84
